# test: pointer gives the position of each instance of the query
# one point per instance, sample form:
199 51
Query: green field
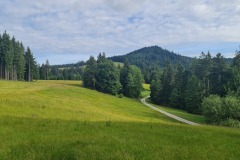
62 120
146 90
182 114
118 64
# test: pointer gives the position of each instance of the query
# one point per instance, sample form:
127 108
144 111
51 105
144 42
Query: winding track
143 100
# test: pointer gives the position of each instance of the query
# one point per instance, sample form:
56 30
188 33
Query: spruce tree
47 67
177 97
123 76
12 59
131 80
138 80
21 62
1 58
156 85
89 76
107 76
29 72
167 84
193 95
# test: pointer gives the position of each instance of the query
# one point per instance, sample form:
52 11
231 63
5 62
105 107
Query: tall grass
62 120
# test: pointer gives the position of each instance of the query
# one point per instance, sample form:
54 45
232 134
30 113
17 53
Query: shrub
120 96
223 111
231 107
212 108
231 123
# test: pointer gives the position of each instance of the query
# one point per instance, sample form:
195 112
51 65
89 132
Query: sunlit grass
118 64
181 113
146 87
62 120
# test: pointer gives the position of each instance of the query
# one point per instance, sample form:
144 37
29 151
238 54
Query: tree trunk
16 77
29 71
1 68
6 77
12 77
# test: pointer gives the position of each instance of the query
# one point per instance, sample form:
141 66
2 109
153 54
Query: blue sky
70 31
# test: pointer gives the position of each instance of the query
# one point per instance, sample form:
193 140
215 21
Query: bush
212 108
231 107
120 96
231 123
223 111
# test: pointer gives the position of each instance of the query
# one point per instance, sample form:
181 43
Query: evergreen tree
21 62
138 80
1 57
176 99
89 76
233 84
13 59
156 86
136 74
236 60
31 71
130 87
131 80
202 69
107 76
7 49
42 72
193 95
124 72
47 69
167 84
177 94
219 75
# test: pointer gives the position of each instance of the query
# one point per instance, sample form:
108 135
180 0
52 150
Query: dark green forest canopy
150 58
154 55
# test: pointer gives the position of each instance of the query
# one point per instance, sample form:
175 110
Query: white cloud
76 28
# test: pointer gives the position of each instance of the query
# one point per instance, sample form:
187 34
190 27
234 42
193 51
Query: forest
61 72
210 86
149 58
104 76
16 62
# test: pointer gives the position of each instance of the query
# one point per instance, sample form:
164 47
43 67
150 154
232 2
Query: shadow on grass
76 85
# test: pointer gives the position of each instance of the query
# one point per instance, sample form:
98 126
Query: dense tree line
71 65
104 76
192 88
61 72
16 63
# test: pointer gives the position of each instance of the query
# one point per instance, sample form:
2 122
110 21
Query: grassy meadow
62 120
181 113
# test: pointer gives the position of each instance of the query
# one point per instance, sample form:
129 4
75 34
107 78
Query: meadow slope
62 120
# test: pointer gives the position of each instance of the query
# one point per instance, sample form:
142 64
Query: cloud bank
70 31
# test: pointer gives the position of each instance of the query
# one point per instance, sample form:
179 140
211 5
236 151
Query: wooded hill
148 58
154 55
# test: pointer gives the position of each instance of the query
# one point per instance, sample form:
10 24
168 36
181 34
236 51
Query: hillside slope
154 55
62 120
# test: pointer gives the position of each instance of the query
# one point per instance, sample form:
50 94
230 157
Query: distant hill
70 65
153 56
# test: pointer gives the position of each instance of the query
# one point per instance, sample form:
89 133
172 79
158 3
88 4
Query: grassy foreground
62 120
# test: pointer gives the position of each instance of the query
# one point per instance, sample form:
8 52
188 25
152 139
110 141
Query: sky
68 31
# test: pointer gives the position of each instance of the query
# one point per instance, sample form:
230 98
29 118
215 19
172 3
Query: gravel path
143 100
